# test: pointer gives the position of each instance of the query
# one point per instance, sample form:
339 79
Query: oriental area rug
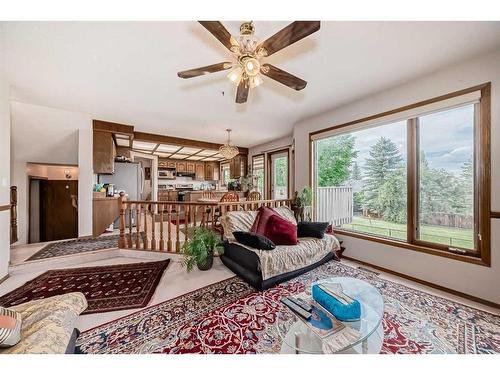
107 288
232 317
76 246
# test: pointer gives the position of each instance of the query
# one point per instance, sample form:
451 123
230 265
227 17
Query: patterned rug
77 246
107 288
231 317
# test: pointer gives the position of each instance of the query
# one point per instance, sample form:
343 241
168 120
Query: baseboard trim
427 283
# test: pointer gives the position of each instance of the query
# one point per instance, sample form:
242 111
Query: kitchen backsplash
197 185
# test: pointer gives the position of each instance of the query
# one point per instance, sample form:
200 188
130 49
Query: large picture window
418 176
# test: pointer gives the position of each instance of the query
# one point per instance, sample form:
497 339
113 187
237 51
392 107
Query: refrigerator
128 177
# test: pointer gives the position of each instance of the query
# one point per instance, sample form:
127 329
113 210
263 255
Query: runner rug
107 288
76 246
231 317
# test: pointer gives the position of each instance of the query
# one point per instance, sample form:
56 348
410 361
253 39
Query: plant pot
205 266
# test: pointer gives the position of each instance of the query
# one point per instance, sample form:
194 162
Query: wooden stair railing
13 214
166 225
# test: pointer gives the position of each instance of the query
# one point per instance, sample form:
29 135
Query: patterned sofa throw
10 327
47 324
283 258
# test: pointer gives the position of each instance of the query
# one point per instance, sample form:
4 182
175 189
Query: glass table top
302 339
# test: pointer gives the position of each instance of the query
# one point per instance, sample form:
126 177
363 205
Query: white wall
4 170
48 135
479 281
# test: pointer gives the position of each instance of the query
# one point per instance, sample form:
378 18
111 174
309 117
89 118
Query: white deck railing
334 204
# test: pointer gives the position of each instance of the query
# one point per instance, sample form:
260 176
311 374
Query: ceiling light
251 66
227 150
255 81
235 75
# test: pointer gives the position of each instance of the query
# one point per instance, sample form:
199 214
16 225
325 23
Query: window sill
423 249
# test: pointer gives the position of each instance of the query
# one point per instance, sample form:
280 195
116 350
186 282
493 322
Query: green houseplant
303 203
200 249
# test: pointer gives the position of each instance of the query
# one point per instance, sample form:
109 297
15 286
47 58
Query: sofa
264 269
48 325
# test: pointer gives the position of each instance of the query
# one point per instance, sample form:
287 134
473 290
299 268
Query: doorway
53 202
279 175
58 210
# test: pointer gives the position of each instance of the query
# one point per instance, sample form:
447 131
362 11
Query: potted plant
200 249
303 204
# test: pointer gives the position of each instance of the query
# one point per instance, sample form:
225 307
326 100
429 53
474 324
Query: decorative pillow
260 223
311 229
10 327
329 229
254 240
281 231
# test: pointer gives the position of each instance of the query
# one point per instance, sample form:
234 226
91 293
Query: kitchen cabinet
238 166
200 171
212 171
171 164
181 166
190 167
168 195
104 153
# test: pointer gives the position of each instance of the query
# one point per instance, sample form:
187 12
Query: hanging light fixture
227 150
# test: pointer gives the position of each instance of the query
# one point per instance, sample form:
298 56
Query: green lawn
448 236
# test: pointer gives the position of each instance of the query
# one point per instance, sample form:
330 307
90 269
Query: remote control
296 309
301 303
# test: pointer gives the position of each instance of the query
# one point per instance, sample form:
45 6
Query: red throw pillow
260 223
281 231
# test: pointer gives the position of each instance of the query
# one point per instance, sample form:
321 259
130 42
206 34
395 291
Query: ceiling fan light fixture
227 150
255 81
251 66
235 75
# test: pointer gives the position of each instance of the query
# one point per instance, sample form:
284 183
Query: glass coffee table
297 337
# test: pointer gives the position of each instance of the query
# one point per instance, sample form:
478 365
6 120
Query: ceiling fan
246 72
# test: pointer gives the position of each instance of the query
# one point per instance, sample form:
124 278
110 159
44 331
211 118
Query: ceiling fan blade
292 33
205 70
283 77
242 93
218 30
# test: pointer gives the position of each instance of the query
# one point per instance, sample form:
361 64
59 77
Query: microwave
166 173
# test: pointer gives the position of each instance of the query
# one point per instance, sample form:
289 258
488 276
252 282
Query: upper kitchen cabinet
212 171
181 166
107 137
104 153
190 167
238 166
200 171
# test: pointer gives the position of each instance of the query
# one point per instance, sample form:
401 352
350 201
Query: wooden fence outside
334 204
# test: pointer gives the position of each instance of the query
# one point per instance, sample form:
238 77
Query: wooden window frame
268 175
482 181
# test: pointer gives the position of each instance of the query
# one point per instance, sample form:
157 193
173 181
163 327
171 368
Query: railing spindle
129 237
169 224
177 222
138 226
162 241
153 229
146 240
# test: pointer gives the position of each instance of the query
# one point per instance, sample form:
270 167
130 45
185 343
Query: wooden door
58 214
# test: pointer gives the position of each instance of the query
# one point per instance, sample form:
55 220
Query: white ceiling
126 71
